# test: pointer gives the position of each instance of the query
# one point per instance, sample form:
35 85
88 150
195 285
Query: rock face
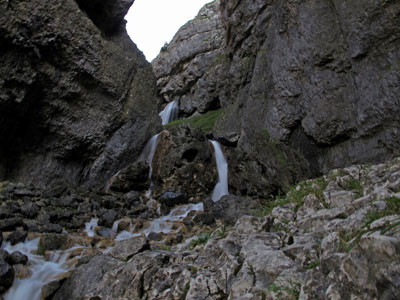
319 76
186 68
78 99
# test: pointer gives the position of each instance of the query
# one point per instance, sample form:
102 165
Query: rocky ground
333 237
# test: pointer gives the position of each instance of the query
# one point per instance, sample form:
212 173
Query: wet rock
124 250
7 275
107 218
50 289
105 232
52 241
230 208
17 237
171 199
10 224
1 238
131 198
16 258
134 177
155 236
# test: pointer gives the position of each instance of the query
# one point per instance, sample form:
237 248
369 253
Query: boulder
183 161
17 237
52 241
171 199
124 250
134 177
230 208
30 210
107 218
7 275
16 258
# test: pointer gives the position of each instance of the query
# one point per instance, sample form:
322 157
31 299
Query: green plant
392 208
354 185
206 122
290 286
201 240
296 196
313 264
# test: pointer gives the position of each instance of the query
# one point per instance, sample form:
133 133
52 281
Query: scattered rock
124 250
52 241
230 208
17 237
16 258
7 275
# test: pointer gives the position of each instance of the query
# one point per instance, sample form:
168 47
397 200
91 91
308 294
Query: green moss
353 185
392 208
295 194
206 122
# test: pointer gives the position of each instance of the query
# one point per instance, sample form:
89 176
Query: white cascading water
169 113
163 224
221 188
43 271
90 227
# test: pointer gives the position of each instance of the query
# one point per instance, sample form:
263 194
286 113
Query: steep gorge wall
319 76
77 98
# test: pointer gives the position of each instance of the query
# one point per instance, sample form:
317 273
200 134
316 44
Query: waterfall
221 188
169 113
148 152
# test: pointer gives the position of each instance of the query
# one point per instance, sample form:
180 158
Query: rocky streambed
333 237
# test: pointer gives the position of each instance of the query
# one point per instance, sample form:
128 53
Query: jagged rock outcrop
77 98
319 76
184 161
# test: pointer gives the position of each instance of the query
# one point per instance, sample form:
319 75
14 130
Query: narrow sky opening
152 23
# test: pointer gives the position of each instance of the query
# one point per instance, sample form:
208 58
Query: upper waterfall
169 113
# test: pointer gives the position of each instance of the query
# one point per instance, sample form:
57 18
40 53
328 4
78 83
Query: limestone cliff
319 76
77 98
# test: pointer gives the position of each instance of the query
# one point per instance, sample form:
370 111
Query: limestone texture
319 76
77 98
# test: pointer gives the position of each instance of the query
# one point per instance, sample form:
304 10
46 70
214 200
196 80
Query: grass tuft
206 122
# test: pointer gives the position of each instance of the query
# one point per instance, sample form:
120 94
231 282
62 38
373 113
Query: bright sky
152 23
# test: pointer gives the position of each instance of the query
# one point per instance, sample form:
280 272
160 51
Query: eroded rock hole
190 155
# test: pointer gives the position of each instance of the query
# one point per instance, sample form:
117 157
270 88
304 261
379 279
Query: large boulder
134 177
78 99
183 161
7 273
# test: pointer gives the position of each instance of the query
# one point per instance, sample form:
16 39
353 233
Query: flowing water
221 188
163 224
169 113
90 227
42 271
